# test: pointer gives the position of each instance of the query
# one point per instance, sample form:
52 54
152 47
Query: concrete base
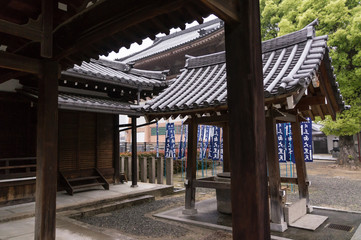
309 209
309 222
278 227
190 212
295 211
134 186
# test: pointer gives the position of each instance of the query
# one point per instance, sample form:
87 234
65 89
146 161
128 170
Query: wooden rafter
225 9
108 25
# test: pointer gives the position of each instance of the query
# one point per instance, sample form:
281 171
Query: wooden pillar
169 171
47 152
152 170
190 196
277 216
116 149
143 169
134 153
300 161
226 160
160 167
129 168
247 145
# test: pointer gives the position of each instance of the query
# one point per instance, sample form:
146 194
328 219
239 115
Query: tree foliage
341 21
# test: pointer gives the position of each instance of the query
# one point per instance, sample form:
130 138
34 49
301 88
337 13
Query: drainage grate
340 227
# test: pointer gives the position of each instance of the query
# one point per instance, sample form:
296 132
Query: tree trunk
348 156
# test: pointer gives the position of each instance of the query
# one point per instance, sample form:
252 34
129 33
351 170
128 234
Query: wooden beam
224 9
212 120
305 102
250 212
47 10
27 31
211 184
277 216
20 63
47 152
190 194
116 149
300 161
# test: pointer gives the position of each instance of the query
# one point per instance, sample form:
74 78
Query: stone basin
224 195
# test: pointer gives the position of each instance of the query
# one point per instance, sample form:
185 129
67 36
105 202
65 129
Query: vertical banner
281 142
201 140
170 141
216 143
306 132
157 145
205 145
221 148
289 150
180 148
285 141
184 145
210 152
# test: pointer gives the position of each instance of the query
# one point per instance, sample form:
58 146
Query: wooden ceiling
84 29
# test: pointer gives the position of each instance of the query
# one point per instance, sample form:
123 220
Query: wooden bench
82 179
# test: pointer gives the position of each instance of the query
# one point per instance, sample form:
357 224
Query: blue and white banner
201 135
221 148
285 141
180 147
210 153
184 145
157 146
281 142
216 144
205 145
170 141
306 132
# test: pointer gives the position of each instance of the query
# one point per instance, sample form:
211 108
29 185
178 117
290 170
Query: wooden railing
17 168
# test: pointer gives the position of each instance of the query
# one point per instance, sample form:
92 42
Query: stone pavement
17 221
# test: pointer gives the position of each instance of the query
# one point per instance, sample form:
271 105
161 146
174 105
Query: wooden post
226 160
247 145
122 163
277 217
300 161
190 196
135 174
169 171
129 168
47 152
116 149
160 166
143 169
152 170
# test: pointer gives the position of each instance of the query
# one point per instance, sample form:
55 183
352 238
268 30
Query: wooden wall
17 126
86 141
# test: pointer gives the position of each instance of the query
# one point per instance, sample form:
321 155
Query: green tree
341 21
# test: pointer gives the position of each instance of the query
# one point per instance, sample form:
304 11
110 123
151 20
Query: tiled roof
93 104
88 103
117 73
289 64
177 39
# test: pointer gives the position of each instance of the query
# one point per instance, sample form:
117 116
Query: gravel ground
138 220
335 192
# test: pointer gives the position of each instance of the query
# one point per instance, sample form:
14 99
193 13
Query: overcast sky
123 52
